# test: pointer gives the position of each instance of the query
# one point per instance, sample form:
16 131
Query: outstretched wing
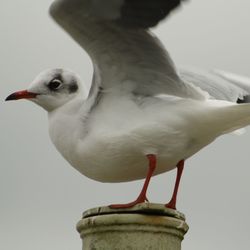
125 55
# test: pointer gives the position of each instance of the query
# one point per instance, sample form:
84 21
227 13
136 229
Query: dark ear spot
73 87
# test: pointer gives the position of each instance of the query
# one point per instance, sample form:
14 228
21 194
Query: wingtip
60 9
56 8
53 8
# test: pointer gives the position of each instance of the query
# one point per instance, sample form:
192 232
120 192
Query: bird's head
50 89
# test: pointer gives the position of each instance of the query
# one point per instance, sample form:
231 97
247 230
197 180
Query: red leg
142 196
172 203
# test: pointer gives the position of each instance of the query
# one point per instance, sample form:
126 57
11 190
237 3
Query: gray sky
42 197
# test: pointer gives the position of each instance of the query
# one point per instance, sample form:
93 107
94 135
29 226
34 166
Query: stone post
146 226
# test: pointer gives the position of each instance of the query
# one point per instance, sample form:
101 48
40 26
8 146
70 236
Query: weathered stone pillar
145 226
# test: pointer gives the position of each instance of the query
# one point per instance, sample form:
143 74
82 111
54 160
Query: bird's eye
54 84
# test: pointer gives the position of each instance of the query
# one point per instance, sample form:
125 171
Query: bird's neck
65 126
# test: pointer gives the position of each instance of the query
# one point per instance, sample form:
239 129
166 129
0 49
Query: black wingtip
145 13
245 99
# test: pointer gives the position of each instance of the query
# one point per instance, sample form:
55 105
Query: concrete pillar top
142 208
144 226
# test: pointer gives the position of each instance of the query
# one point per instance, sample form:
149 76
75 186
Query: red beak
23 94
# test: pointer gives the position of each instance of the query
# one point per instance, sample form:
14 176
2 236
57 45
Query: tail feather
231 118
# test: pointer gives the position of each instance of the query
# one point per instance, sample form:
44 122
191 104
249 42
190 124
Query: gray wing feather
219 84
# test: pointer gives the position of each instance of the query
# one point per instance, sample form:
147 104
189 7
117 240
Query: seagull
142 117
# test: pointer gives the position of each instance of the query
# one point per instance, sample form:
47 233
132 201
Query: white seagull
140 111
